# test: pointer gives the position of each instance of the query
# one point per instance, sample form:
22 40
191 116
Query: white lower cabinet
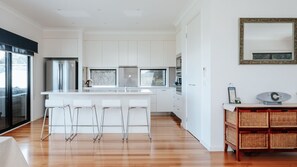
164 100
154 101
178 105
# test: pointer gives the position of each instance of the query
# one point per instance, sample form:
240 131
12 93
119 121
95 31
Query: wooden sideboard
259 127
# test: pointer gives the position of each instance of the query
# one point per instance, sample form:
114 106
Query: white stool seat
138 104
112 104
51 105
54 103
85 104
82 103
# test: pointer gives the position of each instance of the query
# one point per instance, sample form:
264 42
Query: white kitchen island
96 96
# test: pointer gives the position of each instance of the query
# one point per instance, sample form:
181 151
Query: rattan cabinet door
249 118
283 118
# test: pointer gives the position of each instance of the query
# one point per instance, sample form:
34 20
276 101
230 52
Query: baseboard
15 128
161 113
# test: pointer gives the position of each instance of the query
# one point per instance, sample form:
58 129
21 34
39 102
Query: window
152 77
103 77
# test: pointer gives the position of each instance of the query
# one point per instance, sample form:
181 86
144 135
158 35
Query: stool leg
43 124
77 113
128 121
65 126
71 121
148 124
123 128
96 123
102 123
51 111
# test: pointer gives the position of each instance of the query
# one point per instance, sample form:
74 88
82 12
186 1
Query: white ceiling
106 15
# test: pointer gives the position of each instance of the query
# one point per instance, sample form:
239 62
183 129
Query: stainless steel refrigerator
61 74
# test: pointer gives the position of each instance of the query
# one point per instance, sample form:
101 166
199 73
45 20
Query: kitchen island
96 96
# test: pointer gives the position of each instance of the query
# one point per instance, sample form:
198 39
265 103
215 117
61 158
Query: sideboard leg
237 155
226 147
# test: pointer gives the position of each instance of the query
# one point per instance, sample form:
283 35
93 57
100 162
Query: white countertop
100 92
231 107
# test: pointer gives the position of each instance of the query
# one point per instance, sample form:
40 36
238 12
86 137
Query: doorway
194 76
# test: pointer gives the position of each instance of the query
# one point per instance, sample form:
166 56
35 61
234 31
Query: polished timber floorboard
171 146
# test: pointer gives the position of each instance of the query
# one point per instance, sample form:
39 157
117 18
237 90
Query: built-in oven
178 80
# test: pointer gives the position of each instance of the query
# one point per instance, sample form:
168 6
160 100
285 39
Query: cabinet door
69 47
178 39
157 53
154 101
110 54
143 53
132 53
123 53
178 104
92 54
164 100
169 54
51 47
127 53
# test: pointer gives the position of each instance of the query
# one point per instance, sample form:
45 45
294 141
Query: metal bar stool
138 104
50 105
112 104
85 104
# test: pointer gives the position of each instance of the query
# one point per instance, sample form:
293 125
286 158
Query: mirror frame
267 20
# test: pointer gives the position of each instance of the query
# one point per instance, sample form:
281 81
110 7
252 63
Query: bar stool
138 104
85 104
50 105
112 104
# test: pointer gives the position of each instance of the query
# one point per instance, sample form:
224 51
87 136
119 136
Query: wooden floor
171 147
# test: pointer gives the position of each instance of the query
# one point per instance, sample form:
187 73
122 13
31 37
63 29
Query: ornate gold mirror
268 41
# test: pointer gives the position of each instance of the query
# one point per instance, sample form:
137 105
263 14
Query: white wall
12 21
249 80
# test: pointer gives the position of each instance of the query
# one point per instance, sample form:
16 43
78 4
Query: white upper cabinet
60 47
157 53
169 54
69 47
178 39
132 53
110 53
92 54
127 53
143 53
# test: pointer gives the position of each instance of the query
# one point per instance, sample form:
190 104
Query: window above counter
103 77
130 77
153 77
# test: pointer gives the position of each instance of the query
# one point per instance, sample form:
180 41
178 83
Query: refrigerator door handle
60 76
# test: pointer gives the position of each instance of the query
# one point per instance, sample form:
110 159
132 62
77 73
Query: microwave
178 62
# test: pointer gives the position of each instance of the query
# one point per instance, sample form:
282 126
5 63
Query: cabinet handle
285 110
253 110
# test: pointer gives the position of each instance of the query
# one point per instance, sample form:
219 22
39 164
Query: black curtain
15 43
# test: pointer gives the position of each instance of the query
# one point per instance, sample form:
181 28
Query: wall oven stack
178 80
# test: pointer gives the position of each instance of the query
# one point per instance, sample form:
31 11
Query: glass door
20 68
14 90
3 92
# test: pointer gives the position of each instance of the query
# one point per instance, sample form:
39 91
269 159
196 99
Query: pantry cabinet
53 47
258 127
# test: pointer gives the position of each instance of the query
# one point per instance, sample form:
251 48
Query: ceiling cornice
16 13
184 12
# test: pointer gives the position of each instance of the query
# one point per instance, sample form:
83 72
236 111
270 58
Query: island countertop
100 92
